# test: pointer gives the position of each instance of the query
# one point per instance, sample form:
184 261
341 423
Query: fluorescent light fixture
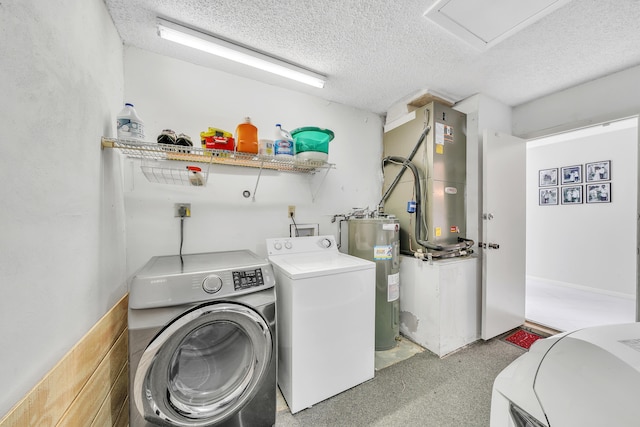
215 46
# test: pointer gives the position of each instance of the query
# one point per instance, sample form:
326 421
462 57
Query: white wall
62 241
585 245
170 93
608 98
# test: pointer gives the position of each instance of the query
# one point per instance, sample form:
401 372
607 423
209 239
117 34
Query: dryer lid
168 280
159 266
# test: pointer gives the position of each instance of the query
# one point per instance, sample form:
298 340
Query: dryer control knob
277 246
212 284
325 243
288 245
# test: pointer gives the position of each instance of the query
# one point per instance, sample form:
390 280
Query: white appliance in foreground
590 377
325 319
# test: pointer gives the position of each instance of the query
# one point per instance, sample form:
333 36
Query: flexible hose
405 163
386 195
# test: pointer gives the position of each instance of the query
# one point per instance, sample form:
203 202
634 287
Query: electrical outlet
292 211
182 210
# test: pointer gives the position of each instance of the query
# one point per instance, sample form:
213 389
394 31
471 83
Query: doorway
581 227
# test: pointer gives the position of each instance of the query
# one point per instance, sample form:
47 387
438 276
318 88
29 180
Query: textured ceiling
377 52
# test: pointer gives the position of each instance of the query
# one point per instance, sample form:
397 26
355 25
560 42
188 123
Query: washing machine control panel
247 279
305 244
239 280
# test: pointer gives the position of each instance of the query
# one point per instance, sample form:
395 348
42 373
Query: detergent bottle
247 137
129 125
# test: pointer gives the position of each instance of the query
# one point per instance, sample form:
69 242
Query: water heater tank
378 240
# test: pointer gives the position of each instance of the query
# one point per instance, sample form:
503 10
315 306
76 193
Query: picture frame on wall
598 171
548 196
548 177
572 195
599 193
571 174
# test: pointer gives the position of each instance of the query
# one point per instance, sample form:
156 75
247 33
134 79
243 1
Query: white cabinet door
503 233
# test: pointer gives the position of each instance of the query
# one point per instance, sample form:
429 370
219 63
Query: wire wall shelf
157 166
153 151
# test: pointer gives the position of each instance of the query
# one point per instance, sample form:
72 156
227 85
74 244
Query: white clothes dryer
202 341
326 319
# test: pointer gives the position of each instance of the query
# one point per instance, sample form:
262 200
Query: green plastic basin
312 139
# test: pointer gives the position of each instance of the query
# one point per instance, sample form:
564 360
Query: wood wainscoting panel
123 417
97 390
57 398
115 403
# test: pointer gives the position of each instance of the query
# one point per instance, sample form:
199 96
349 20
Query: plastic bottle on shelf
129 125
283 147
247 137
265 148
195 176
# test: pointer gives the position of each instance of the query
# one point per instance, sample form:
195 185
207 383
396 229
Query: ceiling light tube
206 43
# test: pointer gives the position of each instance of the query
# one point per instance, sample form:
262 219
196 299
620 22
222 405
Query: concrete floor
414 387
404 350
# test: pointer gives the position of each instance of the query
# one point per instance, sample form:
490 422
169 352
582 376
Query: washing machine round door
204 366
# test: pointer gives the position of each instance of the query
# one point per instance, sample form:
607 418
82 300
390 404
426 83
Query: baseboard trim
539 329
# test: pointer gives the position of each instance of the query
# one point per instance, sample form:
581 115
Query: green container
312 143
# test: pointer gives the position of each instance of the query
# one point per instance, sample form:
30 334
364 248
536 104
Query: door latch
494 246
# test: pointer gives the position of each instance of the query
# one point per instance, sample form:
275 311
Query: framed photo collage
577 184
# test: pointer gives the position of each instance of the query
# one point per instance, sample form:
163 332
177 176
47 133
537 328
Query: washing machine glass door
204 366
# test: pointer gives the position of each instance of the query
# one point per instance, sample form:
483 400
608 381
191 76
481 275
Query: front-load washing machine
202 341
326 319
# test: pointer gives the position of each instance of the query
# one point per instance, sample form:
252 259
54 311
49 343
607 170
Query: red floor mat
522 338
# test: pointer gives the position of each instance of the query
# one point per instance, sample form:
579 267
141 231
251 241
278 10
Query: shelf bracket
315 193
255 189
